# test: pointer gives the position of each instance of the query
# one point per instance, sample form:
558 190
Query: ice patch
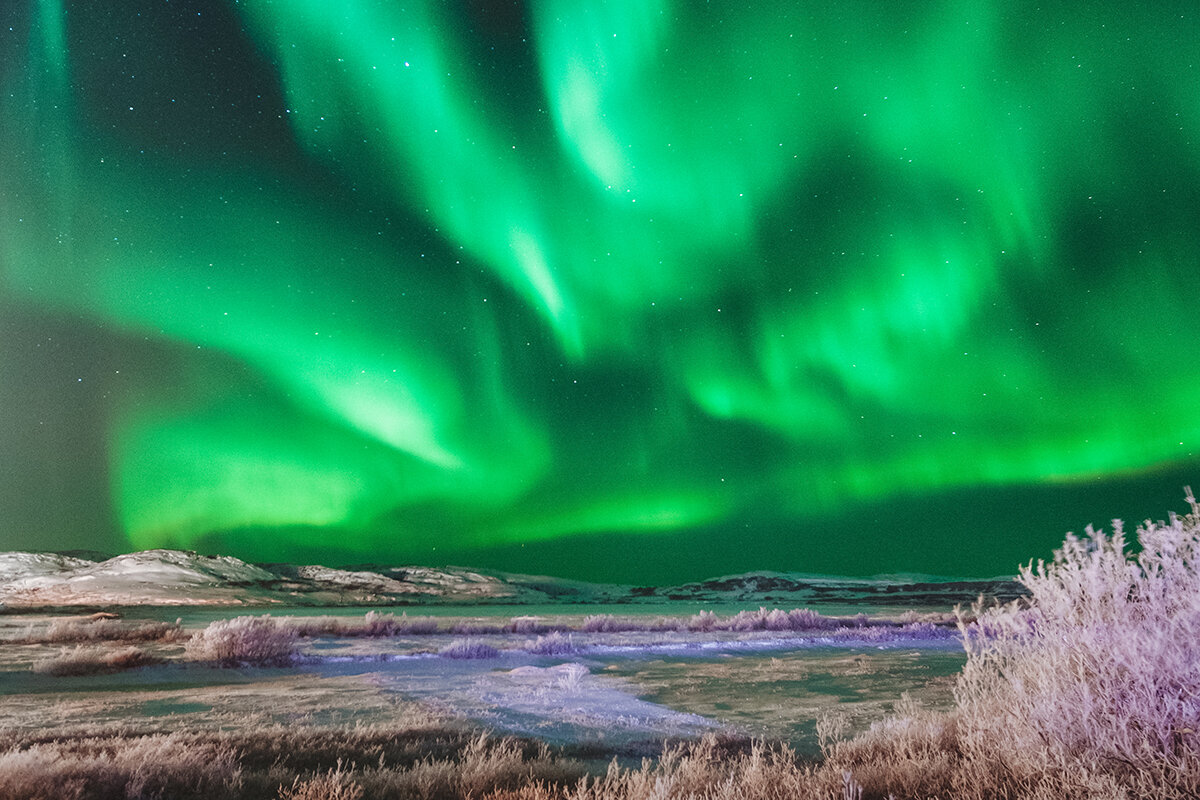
558 703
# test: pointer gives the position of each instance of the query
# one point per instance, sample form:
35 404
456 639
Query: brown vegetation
288 763
1086 690
262 641
93 660
100 629
374 624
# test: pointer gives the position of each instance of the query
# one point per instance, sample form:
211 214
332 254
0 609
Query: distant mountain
185 578
888 590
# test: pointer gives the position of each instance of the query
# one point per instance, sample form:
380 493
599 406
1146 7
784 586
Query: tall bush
244 640
1098 673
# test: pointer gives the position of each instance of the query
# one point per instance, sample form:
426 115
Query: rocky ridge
185 578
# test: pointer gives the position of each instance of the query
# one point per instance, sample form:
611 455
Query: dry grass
287 763
85 660
527 625
797 620
387 764
468 648
333 785
373 625
153 766
83 631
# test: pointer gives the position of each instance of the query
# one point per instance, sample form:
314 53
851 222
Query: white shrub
244 640
1099 672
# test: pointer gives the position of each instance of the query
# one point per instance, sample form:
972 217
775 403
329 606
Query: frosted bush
468 648
552 644
777 620
570 677
747 621
805 619
599 623
379 625
798 619
526 625
419 626
244 640
1097 673
373 625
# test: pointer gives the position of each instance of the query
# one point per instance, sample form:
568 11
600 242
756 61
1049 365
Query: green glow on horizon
626 268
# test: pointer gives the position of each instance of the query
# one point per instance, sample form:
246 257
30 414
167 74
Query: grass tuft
555 643
468 648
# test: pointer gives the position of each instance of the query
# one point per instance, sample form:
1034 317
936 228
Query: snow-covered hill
177 577
185 578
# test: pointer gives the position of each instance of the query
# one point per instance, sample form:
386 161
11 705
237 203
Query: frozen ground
620 693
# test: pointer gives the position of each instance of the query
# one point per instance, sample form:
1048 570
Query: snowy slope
177 577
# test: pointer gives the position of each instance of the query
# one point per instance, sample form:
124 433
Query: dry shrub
419 626
260 641
103 629
605 623
373 625
526 625
1087 689
93 660
704 621
468 648
552 644
775 619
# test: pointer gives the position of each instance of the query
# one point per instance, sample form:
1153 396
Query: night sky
631 290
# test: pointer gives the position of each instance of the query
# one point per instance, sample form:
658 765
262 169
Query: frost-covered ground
618 668
620 692
643 669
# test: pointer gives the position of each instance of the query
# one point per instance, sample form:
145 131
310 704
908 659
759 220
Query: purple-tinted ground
620 691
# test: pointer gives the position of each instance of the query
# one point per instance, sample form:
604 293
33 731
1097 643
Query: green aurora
632 290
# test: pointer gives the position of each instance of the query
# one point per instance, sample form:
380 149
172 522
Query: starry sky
634 290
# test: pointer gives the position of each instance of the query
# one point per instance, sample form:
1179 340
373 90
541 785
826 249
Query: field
1086 688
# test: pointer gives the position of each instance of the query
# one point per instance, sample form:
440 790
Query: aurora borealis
635 290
